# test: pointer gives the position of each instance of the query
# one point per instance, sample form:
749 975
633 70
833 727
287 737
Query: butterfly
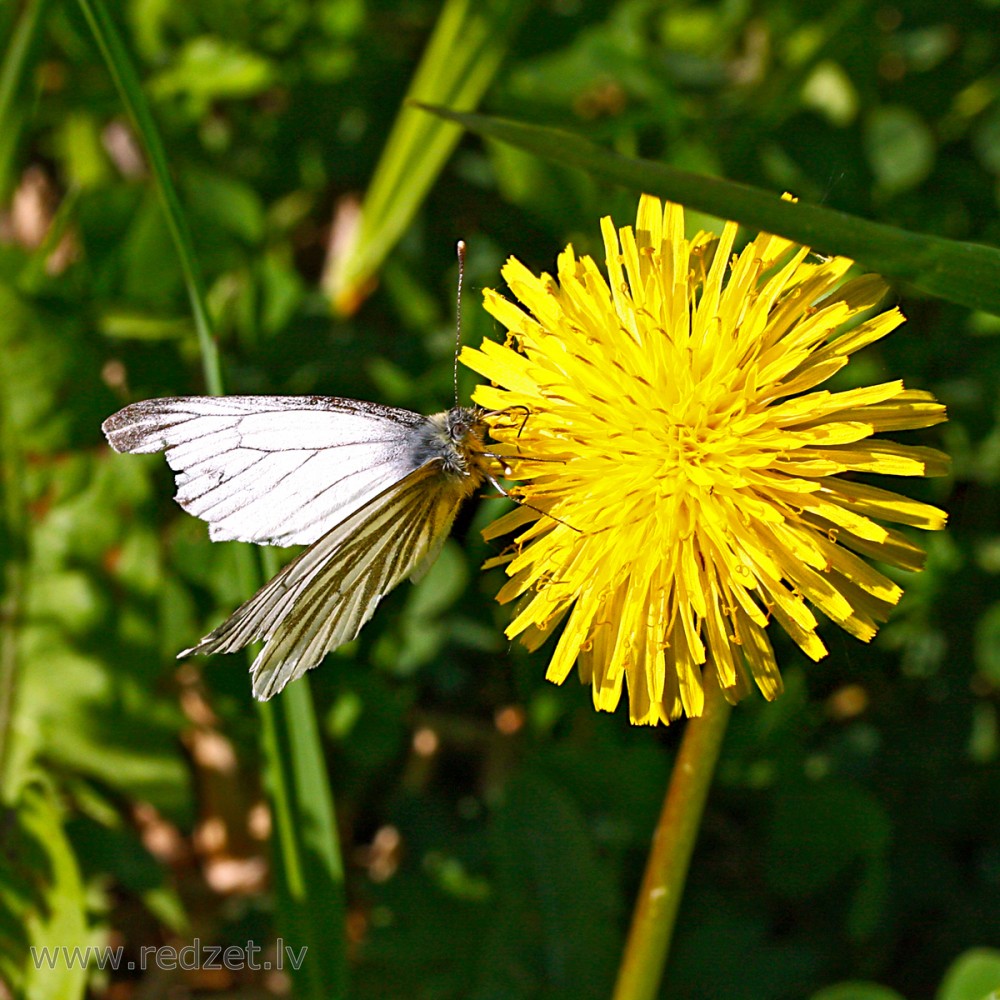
372 491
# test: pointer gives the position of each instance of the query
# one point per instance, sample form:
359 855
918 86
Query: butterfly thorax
454 438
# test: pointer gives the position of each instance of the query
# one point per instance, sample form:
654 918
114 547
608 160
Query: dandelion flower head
701 483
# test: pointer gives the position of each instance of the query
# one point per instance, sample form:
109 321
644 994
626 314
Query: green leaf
126 78
54 914
209 69
86 162
555 933
105 723
442 584
310 875
309 869
966 273
14 70
819 830
900 148
221 201
974 975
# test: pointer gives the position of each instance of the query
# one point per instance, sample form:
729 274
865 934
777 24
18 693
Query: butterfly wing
276 470
322 598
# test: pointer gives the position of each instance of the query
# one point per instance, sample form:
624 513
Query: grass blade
461 59
130 89
308 869
965 273
13 70
309 873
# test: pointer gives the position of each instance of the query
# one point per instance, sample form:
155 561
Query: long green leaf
14 67
309 874
309 871
61 919
130 89
13 574
461 59
965 273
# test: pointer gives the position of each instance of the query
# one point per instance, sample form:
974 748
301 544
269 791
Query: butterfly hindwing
322 598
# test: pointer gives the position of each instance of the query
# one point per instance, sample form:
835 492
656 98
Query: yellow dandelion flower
669 419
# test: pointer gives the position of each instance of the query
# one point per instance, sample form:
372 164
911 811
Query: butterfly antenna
460 250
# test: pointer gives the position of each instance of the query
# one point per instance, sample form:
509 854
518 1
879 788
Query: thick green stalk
676 831
309 872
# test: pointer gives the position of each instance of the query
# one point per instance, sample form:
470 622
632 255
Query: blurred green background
494 827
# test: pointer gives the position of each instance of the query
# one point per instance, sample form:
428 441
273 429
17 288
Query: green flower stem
673 843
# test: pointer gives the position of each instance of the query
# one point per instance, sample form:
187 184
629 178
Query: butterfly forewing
271 469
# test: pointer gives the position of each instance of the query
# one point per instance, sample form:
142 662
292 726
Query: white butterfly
372 490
